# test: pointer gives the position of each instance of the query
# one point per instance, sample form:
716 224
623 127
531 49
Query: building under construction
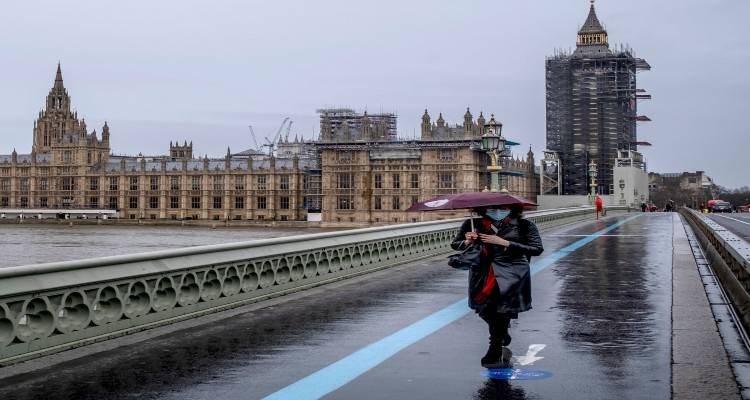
592 107
344 124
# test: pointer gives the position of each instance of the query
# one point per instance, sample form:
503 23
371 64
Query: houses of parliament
357 173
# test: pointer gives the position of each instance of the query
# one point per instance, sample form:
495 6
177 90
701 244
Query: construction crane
271 144
252 136
288 128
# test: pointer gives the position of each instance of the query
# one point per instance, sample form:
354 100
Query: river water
33 244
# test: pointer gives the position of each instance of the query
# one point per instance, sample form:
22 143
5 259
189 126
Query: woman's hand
494 239
470 237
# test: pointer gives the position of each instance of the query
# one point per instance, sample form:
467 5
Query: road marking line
733 219
345 370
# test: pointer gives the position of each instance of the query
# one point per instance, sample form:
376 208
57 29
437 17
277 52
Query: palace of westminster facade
357 173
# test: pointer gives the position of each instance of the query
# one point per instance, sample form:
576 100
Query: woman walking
500 287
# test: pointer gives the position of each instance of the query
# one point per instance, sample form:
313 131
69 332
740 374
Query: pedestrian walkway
601 327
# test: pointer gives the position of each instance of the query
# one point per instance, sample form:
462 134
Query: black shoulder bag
467 259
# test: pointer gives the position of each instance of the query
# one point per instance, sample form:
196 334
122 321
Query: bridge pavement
602 310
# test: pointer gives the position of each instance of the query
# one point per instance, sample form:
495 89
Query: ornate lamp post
494 144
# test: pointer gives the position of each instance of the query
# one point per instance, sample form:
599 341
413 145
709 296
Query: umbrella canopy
469 200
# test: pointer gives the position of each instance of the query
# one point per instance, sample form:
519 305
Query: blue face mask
497 214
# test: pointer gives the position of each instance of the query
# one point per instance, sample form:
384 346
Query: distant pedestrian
643 207
500 286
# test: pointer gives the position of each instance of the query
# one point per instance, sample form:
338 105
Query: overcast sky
204 70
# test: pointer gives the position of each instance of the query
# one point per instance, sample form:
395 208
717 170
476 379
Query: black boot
494 352
497 356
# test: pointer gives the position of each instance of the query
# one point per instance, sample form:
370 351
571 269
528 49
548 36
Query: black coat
510 265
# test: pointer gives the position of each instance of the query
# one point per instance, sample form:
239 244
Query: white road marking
733 219
530 356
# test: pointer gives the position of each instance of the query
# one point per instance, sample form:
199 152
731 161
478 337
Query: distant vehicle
721 206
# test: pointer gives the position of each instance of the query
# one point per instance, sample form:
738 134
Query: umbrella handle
471 218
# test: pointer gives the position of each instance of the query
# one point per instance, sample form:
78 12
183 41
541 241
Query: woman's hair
515 210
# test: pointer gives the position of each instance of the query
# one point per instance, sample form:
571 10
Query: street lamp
622 191
494 144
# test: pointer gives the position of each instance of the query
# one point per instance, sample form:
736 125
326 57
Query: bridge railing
50 307
729 255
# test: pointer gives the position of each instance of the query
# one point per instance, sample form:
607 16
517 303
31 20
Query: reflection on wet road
605 325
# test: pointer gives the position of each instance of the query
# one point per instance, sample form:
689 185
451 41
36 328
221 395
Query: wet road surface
602 312
737 223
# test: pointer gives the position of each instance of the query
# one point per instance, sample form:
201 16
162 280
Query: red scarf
489 285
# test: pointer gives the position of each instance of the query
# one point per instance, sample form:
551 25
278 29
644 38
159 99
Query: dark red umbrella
469 200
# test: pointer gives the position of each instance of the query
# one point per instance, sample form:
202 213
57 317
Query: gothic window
396 203
195 183
133 183
345 181
43 202
133 202
174 183
153 202
24 202
378 181
113 202
219 182
195 202
94 202
284 202
67 157
67 183
5 185
154 183
24 184
113 183
88 157
414 199
239 202
396 181
217 202
446 181
43 184
93 183
239 183
4 202
284 182
447 155
378 203
345 156
261 202
415 181
262 185
174 202
345 203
